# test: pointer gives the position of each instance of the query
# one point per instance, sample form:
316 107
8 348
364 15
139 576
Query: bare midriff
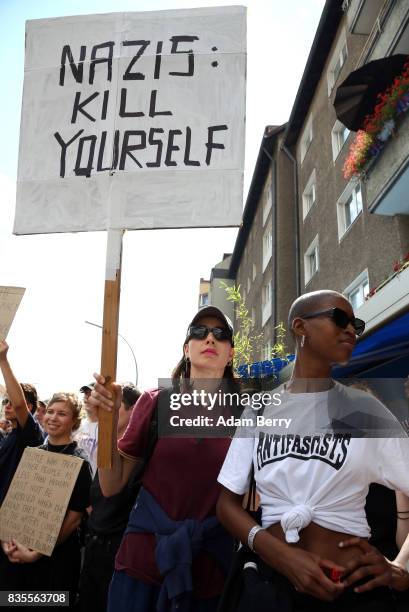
321 541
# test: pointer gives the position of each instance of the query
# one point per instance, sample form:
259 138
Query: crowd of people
160 529
93 525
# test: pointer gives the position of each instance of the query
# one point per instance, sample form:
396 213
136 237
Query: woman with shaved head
325 330
313 482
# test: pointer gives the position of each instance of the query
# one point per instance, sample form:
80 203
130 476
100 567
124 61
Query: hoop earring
302 341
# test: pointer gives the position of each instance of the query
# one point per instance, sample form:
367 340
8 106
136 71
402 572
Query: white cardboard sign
10 298
133 121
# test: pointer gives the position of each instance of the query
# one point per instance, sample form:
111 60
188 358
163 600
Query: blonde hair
73 402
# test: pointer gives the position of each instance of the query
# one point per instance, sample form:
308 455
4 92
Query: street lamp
126 341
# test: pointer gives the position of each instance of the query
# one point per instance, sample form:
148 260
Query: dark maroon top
182 477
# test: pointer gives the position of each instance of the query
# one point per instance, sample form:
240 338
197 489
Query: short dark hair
30 394
130 395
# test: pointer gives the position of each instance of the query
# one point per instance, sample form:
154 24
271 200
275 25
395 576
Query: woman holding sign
28 569
312 546
174 554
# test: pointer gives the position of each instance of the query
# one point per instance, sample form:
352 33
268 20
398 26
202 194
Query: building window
267 247
309 195
306 138
267 203
338 60
339 135
266 303
266 294
402 45
349 207
367 17
248 285
254 271
353 206
311 260
357 291
339 63
203 299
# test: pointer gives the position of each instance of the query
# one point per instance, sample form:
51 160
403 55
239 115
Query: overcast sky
50 344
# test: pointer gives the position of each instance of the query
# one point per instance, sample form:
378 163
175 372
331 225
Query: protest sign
133 121
10 298
37 500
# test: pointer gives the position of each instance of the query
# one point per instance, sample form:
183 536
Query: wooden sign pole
109 349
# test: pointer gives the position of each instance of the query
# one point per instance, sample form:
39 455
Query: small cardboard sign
10 298
36 502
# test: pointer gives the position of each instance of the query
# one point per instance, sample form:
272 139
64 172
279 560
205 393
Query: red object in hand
335 575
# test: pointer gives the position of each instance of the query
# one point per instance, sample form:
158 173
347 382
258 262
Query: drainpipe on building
297 219
273 189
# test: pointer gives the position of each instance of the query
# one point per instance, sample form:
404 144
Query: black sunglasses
200 332
340 318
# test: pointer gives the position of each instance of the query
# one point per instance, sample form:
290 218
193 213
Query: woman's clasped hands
371 565
326 580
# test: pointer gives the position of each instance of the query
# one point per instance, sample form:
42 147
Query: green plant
248 344
279 349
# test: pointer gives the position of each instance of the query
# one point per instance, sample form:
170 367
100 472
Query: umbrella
356 97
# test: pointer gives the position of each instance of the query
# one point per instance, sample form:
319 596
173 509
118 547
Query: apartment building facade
305 227
340 237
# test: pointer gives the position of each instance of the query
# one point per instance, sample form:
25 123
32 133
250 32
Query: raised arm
111 480
303 569
13 387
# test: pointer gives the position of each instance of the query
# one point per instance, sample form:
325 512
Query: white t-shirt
317 473
87 438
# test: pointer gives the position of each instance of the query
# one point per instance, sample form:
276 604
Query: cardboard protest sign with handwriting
40 491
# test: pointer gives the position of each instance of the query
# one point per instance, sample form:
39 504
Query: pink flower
357 154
